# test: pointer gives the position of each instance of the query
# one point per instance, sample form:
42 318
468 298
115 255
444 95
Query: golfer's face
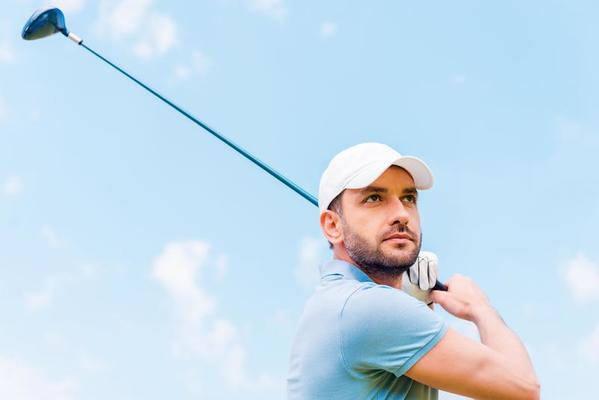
385 213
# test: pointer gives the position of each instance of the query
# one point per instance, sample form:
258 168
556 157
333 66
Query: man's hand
496 368
421 277
463 299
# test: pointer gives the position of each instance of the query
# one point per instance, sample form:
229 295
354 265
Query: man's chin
403 245
403 254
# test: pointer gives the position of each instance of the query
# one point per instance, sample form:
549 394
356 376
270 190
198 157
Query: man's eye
410 199
373 197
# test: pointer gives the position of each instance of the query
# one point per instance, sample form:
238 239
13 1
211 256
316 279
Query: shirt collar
343 268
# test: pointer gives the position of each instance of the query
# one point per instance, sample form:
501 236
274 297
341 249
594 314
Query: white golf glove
421 277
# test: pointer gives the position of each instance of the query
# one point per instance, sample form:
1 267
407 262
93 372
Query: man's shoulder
383 328
373 311
358 303
370 298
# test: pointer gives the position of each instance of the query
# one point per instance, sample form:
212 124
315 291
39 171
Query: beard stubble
373 261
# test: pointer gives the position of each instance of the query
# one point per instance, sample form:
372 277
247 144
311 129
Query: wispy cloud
177 268
576 144
589 348
45 294
198 65
574 132
51 237
450 396
203 332
7 53
458 80
21 381
68 6
282 321
312 253
13 186
328 29
91 363
7 36
123 18
3 106
464 327
41 298
275 9
153 33
159 37
582 278
222 266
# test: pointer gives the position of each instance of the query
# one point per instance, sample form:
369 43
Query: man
361 336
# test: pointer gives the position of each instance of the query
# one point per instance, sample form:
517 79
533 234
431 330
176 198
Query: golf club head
44 22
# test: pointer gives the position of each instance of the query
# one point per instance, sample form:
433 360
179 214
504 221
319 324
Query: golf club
48 21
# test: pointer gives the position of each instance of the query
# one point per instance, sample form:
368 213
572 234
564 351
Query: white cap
362 164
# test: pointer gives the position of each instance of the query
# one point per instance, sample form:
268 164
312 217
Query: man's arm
499 368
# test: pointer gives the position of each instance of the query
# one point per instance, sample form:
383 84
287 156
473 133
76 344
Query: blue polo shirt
356 339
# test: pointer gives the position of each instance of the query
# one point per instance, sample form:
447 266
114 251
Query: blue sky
142 258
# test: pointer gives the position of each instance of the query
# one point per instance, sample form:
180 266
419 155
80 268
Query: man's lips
398 237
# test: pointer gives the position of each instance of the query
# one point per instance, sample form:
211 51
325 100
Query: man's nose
398 213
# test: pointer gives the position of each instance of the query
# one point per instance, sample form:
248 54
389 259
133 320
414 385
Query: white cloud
122 18
177 268
576 143
458 80
312 253
582 278
35 115
3 106
275 9
92 364
182 72
7 54
89 270
153 33
464 327
41 298
328 29
67 6
203 333
589 348
20 381
222 266
571 131
159 36
201 62
282 321
199 65
450 396
13 186
51 237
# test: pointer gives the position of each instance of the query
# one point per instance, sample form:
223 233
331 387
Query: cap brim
420 172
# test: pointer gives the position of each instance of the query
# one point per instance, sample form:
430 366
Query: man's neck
381 279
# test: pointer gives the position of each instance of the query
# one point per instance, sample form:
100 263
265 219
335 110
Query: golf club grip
240 150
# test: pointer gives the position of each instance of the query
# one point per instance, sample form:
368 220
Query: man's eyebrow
373 189
378 189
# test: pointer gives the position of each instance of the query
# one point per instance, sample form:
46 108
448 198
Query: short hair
337 207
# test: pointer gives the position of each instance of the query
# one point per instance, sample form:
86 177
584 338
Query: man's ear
330 223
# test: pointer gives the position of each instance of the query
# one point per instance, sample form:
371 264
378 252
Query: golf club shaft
240 150
272 172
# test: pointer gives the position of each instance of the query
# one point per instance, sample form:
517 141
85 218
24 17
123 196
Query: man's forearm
495 334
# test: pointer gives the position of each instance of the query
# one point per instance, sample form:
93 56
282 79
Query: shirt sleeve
383 328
